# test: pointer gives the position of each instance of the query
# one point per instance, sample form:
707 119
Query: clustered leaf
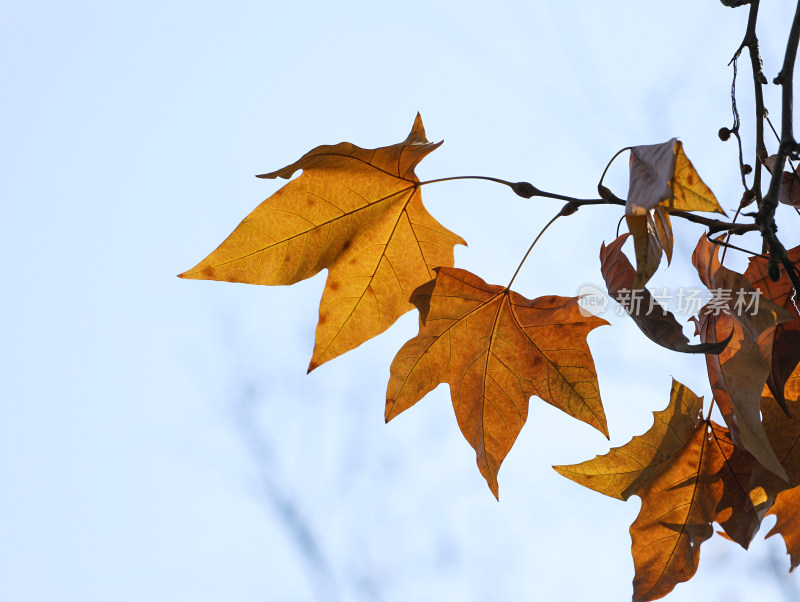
780 345
358 213
662 179
740 372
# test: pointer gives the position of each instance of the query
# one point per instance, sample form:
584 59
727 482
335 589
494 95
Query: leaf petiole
535 240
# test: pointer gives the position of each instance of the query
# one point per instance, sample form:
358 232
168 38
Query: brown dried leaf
658 324
652 236
662 179
787 509
784 434
495 349
623 471
780 345
707 481
739 373
357 212
789 192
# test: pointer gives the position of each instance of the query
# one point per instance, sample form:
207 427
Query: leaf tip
311 366
388 413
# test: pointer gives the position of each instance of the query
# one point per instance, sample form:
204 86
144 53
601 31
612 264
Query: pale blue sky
151 427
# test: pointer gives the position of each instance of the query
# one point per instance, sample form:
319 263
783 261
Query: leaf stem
533 244
711 409
489 178
617 154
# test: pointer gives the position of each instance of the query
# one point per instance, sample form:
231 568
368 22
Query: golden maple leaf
357 212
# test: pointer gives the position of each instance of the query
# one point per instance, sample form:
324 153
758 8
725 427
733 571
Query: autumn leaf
784 435
787 511
739 373
789 192
658 324
707 481
780 345
688 474
783 432
652 237
662 179
495 349
358 213
623 470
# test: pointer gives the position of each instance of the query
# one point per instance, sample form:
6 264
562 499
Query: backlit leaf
358 213
623 471
495 349
707 481
784 434
779 345
662 179
787 511
739 373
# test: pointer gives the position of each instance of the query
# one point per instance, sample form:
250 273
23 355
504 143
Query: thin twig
725 245
573 203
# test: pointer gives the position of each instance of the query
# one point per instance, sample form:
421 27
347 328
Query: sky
160 439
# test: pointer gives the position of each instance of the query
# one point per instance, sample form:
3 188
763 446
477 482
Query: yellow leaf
358 213
690 193
624 470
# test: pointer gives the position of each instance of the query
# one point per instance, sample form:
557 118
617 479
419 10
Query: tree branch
787 148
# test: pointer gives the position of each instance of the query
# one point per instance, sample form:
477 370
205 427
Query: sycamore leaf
779 345
787 510
658 324
662 179
358 213
652 236
739 373
495 349
789 192
784 434
623 471
706 481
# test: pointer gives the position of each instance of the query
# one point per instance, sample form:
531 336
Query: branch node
525 189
